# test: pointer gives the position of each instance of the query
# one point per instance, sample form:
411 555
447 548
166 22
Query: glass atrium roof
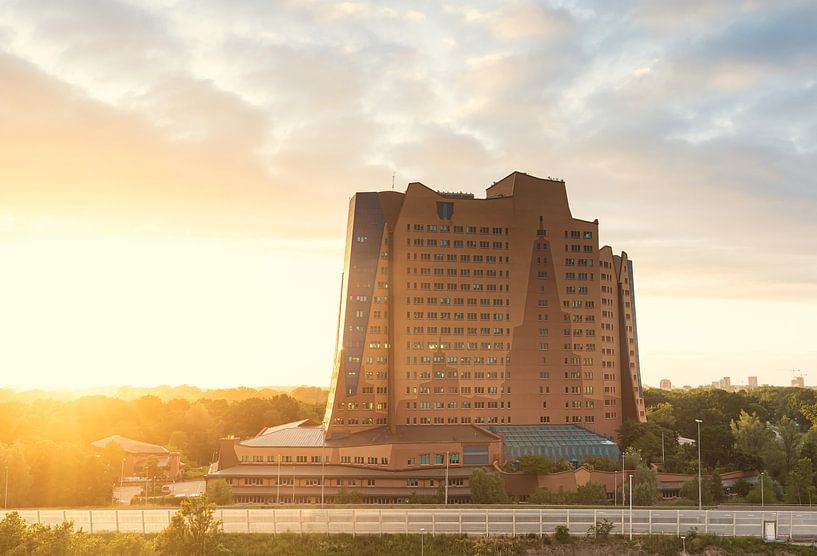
570 442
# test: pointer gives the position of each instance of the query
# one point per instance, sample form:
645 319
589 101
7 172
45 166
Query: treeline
770 430
45 443
306 394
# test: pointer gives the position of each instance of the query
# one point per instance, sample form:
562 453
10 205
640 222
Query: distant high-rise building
752 382
665 384
503 310
798 381
726 383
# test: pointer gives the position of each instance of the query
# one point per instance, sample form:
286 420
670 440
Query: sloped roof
294 424
295 436
130 445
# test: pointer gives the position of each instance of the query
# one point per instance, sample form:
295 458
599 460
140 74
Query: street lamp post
422 541
663 458
278 482
623 494
761 489
684 542
631 506
700 505
446 477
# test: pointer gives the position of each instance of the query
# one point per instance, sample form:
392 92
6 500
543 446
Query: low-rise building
137 454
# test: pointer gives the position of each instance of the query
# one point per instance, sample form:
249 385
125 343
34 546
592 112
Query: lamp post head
699 420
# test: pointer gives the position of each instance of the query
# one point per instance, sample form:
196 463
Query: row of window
483 331
484 301
455 420
424 390
360 421
454 258
452 272
457 243
456 229
456 316
452 286
459 405
425 375
438 459
379 406
284 459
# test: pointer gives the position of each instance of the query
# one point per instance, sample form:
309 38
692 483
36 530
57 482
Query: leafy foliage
46 442
540 464
193 530
711 490
487 487
219 492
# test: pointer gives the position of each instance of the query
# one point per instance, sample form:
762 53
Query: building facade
503 310
470 332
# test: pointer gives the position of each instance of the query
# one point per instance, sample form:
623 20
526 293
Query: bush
219 492
711 490
562 534
601 530
487 488
772 492
193 530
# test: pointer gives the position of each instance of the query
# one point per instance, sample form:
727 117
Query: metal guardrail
785 525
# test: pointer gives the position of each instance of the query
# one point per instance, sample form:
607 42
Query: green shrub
562 534
601 530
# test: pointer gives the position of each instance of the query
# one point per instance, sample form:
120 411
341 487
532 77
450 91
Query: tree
12 532
800 482
645 438
590 494
193 530
662 414
487 488
711 491
645 481
752 438
809 411
789 439
770 493
19 474
645 487
219 492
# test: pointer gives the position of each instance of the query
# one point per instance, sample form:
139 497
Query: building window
424 459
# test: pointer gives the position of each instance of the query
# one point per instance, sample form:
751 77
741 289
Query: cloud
688 129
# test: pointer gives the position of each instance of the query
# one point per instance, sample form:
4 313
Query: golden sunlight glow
90 312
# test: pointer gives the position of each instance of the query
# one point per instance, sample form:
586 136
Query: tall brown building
491 312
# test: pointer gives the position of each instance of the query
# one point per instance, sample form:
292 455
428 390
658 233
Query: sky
175 175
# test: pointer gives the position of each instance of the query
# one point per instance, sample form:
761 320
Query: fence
797 525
